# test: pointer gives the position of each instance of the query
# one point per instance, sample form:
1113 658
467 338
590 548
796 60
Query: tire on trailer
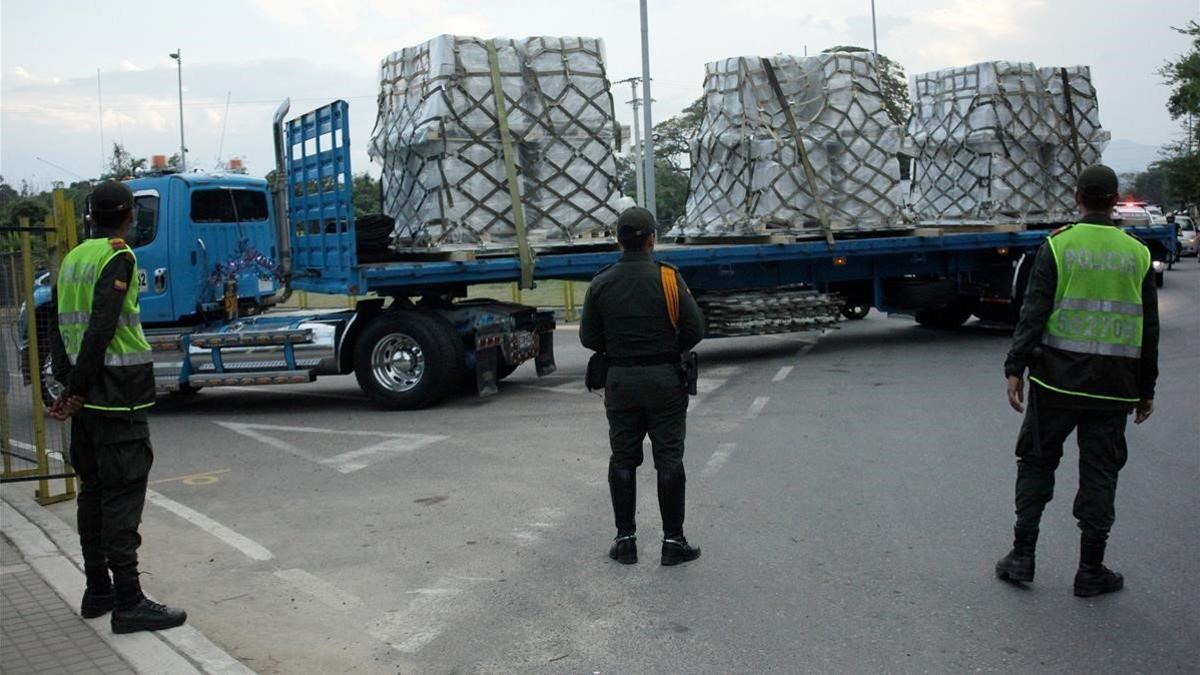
950 316
854 311
406 360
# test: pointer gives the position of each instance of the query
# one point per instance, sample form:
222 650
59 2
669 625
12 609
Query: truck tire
951 316
1160 279
855 311
406 360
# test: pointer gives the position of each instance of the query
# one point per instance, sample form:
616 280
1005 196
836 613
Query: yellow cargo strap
671 291
524 252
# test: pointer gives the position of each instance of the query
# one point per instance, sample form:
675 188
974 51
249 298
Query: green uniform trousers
1102 454
112 458
641 401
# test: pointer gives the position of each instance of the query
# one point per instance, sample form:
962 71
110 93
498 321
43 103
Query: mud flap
486 363
544 362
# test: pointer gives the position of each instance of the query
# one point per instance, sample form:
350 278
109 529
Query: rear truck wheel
51 388
950 316
406 360
855 311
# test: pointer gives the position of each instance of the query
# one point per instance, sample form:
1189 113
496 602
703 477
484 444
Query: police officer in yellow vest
104 361
1088 334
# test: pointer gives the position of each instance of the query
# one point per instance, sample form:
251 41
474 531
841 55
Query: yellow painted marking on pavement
206 478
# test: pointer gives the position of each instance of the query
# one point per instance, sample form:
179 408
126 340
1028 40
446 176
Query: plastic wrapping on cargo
1002 142
437 137
747 176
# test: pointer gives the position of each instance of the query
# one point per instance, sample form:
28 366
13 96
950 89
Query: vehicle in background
1157 217
1131 214
1189 239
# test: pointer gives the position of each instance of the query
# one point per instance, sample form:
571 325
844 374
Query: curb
51 548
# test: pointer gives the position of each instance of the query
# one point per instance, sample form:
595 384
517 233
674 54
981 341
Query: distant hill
1129 157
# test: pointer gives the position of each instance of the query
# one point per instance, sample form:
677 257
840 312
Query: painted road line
349 462
420 623
319 589
782 374
192 479
248 547
718 459
346 462
756 407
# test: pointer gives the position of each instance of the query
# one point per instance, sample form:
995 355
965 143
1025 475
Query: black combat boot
135 612
622 485
1018 564
98 596
671 498
1093 578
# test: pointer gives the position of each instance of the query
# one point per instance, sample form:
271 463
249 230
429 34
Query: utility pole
100 105
178 56
637 141
874 34
648 118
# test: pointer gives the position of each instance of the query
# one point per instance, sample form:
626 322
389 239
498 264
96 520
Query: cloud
128 66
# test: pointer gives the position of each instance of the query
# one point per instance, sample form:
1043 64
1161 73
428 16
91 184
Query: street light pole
178 56
648 143
874 34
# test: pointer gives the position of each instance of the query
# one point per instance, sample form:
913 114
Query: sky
254 53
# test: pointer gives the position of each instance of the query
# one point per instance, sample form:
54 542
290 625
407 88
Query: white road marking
757 407
718 459
417 625
250 548
782 374
52 454
346 462
319 589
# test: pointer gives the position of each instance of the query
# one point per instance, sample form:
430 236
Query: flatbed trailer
211 316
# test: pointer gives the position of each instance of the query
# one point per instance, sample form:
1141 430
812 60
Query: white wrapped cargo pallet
1001 142
439 141
747 173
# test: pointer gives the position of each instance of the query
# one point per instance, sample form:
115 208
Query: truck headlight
1159 265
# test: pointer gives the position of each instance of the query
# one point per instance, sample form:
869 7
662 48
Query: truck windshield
223 205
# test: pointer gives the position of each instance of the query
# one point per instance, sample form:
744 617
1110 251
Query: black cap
635 223
112 197
1097 181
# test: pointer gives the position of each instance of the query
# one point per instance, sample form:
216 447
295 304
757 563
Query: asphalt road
850 498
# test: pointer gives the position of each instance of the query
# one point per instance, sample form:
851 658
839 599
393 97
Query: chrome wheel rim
398 362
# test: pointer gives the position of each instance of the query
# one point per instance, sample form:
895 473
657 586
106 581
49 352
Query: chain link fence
33 447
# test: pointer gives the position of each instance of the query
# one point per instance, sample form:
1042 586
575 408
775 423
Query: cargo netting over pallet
787 144
1002 142
441 143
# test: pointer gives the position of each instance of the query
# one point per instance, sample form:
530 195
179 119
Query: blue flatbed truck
218 253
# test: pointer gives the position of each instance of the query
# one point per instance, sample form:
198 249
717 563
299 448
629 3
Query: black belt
649 360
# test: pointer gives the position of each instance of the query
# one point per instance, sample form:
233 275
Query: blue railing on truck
320 204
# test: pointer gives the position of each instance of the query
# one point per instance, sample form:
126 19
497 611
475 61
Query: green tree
1181 161
673 137
122 164
366 196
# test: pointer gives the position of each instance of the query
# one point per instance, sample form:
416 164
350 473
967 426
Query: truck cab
198 238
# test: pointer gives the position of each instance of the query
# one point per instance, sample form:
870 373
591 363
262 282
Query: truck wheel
948 317
407 360
854 311
51 389
1160 279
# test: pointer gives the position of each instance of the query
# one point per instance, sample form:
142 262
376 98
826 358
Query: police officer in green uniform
104 361
625 316
1088 334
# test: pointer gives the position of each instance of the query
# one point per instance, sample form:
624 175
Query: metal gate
33 447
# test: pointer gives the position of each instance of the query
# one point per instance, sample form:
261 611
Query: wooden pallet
953 229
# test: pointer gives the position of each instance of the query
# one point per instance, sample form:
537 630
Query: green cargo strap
510 168
809 174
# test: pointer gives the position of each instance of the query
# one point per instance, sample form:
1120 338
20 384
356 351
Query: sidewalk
39 632
41 584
